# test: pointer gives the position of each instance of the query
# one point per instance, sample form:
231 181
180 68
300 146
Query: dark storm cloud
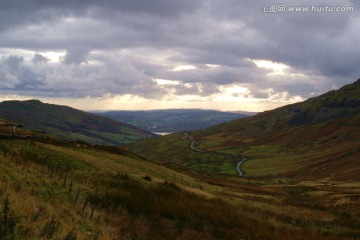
309 41
18 12
102 24
320 47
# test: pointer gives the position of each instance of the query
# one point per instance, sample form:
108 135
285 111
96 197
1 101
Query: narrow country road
238 166
240 158
192 146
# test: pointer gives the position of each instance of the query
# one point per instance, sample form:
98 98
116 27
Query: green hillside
69 123
315 139
53 189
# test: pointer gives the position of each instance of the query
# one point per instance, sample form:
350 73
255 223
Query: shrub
147 178
50 228
8 221
71 235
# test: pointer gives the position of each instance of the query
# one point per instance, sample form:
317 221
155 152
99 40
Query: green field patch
115 137
261 150
220 168
228 168
43 154
274 165
236 151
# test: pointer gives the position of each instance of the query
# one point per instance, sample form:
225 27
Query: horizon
110 105
226 56
73 105
129 110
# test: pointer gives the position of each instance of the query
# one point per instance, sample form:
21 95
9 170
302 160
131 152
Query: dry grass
127 206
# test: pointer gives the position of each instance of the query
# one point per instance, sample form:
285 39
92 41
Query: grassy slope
315 139
137 199
175 151
69 123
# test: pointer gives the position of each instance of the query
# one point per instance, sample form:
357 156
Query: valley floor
59 190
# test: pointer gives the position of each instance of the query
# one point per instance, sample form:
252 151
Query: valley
266 176
174 120
57 189
179 120
275 143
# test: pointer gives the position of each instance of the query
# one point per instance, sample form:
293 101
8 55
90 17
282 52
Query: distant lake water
162 133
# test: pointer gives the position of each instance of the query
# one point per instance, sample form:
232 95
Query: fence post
85 203
65 180
92 211
70 188
77 196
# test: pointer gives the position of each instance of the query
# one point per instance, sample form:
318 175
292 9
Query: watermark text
281 8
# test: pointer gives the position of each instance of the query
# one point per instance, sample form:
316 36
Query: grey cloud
14 74
244 71
76 55
38 11
38 58
260 94
162 8
12 62
9 71
301 40
115 75
227 33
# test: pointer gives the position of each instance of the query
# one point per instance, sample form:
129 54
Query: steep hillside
173 120
310 139
52 189
69 123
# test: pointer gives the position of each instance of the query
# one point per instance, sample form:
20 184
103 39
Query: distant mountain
173 120
317 138
245 113
69 123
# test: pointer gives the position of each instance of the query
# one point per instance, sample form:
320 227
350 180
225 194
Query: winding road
238 166
240 158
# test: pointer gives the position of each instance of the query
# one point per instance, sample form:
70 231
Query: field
53 189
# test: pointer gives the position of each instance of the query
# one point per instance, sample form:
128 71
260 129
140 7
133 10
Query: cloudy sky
152 54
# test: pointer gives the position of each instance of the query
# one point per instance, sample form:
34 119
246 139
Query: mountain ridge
310 139
69 123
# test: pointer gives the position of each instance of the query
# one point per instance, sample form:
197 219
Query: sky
155 54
